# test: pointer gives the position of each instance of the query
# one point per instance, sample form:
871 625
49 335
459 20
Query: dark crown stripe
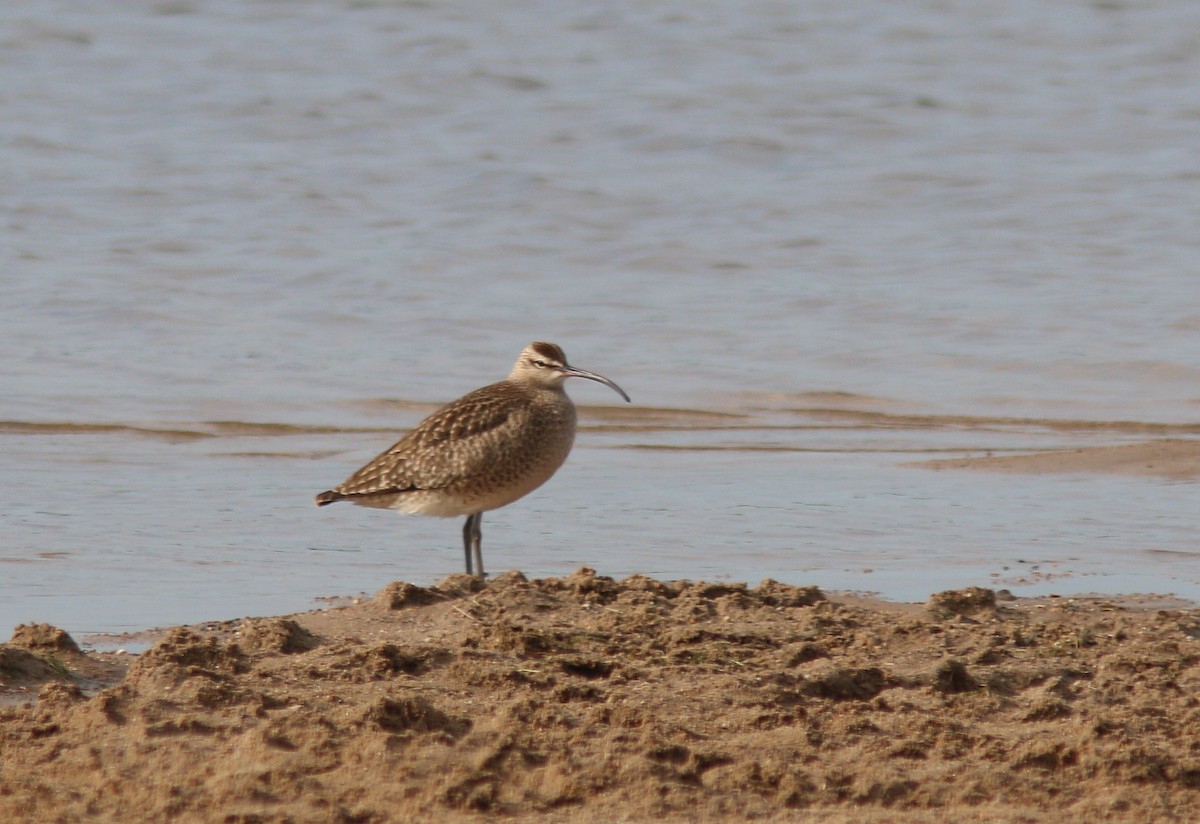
549 350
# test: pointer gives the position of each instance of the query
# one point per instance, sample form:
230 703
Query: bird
478 453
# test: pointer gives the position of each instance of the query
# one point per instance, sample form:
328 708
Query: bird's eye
540 364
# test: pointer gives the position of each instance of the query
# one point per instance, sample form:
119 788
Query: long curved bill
573 372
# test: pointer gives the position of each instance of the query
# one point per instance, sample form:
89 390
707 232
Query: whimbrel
481 452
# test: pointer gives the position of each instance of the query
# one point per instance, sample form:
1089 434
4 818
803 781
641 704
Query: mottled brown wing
449 446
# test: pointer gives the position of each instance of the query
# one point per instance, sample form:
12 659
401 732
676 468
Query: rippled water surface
245 244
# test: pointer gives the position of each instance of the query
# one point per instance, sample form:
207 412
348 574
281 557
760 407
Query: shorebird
479 453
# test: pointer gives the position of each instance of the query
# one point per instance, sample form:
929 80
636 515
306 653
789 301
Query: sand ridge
1170 458
589 699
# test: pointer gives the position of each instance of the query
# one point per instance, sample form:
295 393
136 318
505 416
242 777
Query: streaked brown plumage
481 452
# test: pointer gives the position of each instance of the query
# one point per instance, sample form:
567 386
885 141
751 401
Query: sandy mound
588 699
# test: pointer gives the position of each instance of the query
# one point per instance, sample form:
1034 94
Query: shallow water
874 233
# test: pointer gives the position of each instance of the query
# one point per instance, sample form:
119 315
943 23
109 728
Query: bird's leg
477 544
467 541
472 538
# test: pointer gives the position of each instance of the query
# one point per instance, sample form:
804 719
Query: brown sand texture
586 699
1170 458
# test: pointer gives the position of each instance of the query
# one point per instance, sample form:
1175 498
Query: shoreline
584 698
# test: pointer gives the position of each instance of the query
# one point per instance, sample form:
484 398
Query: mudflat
591 699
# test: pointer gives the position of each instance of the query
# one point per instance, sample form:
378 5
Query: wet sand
589 699
1170 458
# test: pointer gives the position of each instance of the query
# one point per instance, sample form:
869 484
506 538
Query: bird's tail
329 497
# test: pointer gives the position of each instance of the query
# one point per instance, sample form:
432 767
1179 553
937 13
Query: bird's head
545 364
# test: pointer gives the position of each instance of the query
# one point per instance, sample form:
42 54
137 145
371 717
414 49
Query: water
246 243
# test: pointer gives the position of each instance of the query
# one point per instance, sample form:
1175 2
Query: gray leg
477 542
472 539
470 522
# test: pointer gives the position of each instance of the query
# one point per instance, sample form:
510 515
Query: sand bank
589 699
1171 458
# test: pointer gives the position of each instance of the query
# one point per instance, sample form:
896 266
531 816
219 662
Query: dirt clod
42 638
967 601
